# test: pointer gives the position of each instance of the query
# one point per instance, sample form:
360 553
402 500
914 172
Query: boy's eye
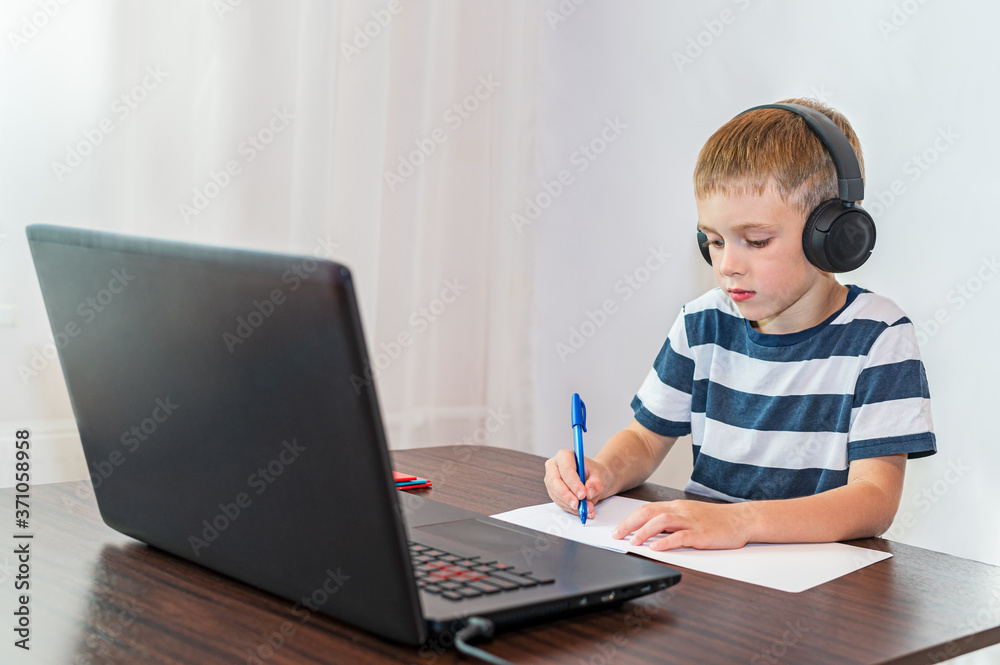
712 243
759 243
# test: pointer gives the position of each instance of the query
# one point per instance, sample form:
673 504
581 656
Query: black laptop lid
214 397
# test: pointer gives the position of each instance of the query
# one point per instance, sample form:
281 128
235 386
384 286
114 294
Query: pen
579 420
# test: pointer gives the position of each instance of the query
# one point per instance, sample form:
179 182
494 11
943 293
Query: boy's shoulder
867 306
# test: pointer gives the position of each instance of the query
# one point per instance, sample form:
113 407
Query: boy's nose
730 264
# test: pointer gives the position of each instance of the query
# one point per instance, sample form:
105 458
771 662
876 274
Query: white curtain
395 137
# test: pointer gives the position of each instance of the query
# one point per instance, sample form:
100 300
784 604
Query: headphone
839 235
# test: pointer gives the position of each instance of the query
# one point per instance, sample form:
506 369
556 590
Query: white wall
904 87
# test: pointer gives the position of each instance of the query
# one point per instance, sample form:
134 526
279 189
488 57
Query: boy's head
773 148
757 179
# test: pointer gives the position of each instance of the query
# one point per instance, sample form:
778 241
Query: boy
804 397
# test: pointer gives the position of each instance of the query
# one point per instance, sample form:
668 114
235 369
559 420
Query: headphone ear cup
838 237
703 247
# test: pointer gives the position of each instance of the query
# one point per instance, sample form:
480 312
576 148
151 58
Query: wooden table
101 598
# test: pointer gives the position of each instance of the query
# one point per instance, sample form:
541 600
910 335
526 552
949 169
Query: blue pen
579 419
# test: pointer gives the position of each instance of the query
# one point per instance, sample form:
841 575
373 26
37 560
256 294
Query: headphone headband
849 182
838 235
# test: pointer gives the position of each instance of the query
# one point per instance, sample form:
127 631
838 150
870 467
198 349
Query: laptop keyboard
456 577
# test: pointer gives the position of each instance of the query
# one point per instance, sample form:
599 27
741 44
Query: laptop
217 396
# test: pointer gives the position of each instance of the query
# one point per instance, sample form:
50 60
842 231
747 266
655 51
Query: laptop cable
477 627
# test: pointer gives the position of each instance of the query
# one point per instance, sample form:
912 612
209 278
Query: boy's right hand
563 482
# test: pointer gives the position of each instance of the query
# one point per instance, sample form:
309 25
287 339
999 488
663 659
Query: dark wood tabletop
99 597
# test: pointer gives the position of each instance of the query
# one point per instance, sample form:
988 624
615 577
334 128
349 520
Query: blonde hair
772 149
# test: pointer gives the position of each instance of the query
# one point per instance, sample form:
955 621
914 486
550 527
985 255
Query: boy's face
756 248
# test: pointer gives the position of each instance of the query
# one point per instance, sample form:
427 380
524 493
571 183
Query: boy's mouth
739 295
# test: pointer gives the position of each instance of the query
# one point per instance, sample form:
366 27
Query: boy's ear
838 236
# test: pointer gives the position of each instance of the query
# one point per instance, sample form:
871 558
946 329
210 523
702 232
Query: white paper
792 567
551 519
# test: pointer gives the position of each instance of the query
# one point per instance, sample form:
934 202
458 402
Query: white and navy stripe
782 416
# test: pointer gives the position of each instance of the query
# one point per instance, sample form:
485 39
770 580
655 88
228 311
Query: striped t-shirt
782 416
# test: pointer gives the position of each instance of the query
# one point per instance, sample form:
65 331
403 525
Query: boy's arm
632 455
626 460
864 507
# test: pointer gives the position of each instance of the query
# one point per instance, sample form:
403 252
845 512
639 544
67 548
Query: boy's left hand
705 526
